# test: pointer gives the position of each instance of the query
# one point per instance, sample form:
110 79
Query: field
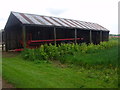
85 68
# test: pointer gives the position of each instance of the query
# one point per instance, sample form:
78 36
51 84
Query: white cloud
103 12
56 11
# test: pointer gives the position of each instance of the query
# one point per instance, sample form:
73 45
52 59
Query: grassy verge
32 74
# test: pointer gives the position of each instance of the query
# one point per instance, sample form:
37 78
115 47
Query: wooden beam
24 36
54 35
90 36
75 35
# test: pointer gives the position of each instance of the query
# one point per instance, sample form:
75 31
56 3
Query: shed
29 30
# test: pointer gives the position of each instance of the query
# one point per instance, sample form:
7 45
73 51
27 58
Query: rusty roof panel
60 22
53 21
39 20
42 20
27 18
56 21
82 26
90 25
64 22
23 20
86 24
44 17
45 21
102 28
72 23
78 25
97 26
93 26
34 20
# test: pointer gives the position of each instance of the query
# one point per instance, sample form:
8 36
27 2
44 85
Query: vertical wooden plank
9 40
2 41
24 36
54 35
100 36
6 41
108 36
75 35
90 36
2 46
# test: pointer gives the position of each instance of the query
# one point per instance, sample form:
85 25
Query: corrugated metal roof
54 21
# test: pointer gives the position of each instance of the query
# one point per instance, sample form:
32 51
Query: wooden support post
75 35
24 36
2 42
2 46
100 36
90 36
54 35
6 41
108 36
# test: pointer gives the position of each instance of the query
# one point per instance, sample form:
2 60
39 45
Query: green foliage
51 51
29 54
62 51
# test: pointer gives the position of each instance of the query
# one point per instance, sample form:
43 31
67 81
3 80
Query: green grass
104 57
32 74
83 66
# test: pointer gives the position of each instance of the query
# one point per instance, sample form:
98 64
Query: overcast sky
103 12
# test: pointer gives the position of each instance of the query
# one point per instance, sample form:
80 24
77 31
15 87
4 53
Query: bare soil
9 54
5 84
